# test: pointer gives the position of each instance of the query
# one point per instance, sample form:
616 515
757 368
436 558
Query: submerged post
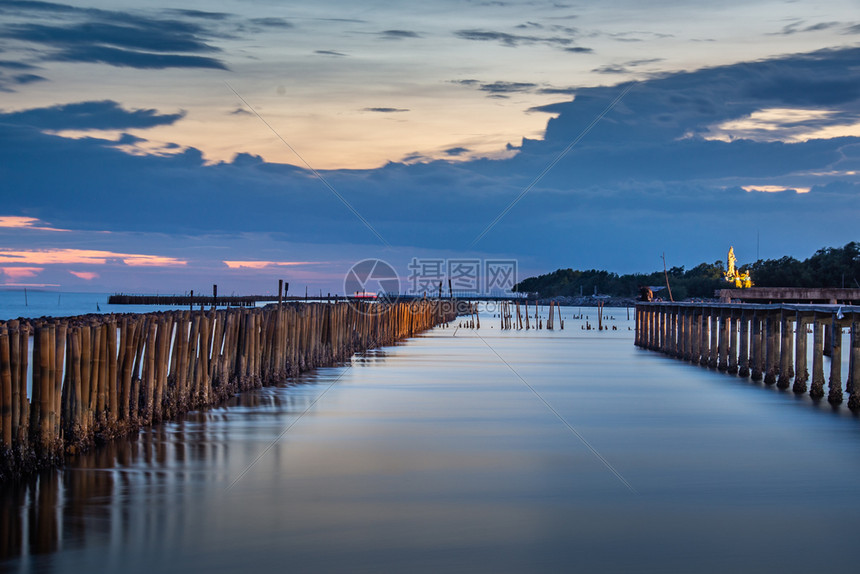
732 367
755 343
834 396
854 399
801 375
744 350
816 390
771 346
784 351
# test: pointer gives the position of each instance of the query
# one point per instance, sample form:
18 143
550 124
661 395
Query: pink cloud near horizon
60 256
265 264
21 222
86 275
21 272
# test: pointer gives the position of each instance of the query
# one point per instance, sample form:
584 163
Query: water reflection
433 456
102 497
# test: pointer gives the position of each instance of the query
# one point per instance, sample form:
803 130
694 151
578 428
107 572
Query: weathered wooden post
801 375
732 365
755 343
686 326
854 399
834 396
771 347
693 337
714 346
704 338
816 390
723 351
5 389
785 348
744 348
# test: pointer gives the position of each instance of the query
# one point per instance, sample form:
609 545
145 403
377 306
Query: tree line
827 267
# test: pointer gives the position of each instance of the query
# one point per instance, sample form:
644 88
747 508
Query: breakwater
767 343
67 383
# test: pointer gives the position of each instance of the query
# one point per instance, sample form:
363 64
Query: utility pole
666 274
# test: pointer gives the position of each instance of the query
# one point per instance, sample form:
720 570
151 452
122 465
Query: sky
161 147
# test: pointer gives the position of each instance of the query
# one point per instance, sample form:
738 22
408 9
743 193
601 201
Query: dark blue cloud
101 115
456 151
386 110
154 36
499 88
507 87
329 53
272 22
116 38
643 171
11 65
131 59
511 40
202 14
27 78
398 34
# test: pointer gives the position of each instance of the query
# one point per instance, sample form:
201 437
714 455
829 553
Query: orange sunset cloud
21 222
86 275
264 264
85 257
21 272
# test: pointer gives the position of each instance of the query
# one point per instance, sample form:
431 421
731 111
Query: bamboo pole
5 389
15 376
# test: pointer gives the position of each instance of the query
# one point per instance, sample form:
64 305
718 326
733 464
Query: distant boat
364 295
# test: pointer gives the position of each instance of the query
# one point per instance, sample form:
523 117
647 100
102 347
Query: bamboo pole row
99 376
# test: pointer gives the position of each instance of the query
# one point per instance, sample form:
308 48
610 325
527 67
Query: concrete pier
762 342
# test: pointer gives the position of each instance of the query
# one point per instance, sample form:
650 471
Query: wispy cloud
251 264
386 110
85 275
329 53
116 38
774 188
507 39
101 115
498 88
21 222
507 87
398 34
789 125
799 27
11 65
272 22
85 257
21 272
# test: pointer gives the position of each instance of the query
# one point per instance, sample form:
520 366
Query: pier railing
66 383
763 342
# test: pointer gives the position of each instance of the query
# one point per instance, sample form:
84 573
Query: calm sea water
461 450
33 304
